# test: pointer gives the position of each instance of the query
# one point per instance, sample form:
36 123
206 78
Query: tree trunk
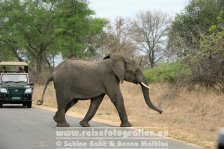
39 66
151 60
39 62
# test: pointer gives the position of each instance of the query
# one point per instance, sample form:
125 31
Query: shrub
167 72
207 65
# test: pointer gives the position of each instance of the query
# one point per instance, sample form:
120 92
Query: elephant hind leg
62 102
60 118
94 105
70 104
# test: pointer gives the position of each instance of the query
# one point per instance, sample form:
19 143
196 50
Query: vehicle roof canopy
13 63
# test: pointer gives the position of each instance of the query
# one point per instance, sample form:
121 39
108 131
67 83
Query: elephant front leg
95 102
118 101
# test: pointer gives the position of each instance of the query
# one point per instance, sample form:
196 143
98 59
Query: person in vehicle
20 70
4 69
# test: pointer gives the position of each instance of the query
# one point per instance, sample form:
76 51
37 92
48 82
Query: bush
167 72
207 65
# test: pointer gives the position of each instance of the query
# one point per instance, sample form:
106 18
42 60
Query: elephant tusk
145 85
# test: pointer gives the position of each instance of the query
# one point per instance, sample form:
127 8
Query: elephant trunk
145 91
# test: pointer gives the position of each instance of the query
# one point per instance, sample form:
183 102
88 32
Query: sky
111 9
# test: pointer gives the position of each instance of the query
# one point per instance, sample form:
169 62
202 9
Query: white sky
111 9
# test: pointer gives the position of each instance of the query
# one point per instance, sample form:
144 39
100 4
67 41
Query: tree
197 36
189 25
35 29
10 37
95 38
76 27
148 32
6 55
207 64
115 38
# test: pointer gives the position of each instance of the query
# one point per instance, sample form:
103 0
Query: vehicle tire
29 104
0 105
24 104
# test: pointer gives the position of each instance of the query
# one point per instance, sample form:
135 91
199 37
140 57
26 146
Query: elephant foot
126 124
84 123
64 124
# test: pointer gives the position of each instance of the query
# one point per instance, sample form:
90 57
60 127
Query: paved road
22 128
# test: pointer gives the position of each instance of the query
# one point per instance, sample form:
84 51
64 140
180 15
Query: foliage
4 52
208 63
167 72
188 26
75 27
35 30
196 36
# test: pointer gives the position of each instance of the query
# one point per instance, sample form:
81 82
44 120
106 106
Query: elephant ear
118 66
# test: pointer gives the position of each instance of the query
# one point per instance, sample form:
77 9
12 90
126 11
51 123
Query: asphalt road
22 128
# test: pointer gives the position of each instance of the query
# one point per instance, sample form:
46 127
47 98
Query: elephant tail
41 101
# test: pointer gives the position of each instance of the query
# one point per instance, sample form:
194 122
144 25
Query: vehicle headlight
28 91
3 90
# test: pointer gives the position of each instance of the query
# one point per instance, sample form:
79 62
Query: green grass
167 72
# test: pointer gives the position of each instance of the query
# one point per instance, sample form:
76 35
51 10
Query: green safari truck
15 86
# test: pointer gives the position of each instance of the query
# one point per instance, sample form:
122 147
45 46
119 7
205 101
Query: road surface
22 128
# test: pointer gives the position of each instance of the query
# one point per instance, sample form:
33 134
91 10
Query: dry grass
191 116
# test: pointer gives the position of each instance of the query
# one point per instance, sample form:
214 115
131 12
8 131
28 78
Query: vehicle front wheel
29 104
0 105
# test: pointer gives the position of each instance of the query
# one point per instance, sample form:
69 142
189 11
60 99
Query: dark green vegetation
168 72
37 30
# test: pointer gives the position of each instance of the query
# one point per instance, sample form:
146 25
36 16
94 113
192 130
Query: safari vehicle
15 87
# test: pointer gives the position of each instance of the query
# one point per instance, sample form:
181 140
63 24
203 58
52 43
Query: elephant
82 80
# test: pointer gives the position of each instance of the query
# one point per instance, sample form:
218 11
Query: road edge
77 115
98 120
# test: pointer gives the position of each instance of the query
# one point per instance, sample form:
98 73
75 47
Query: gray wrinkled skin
81 80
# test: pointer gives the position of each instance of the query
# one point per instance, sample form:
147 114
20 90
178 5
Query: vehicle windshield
14 78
